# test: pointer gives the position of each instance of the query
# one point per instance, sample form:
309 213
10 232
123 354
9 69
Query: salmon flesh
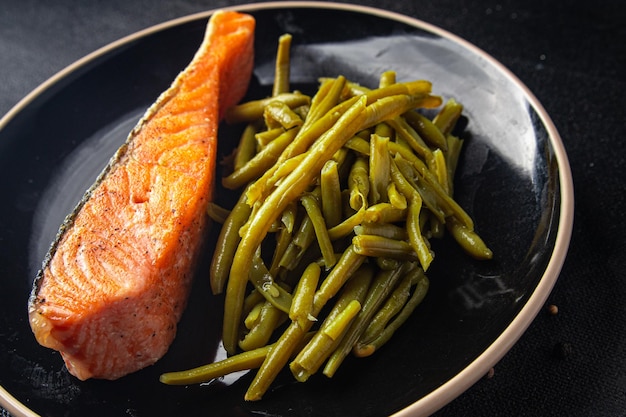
116 279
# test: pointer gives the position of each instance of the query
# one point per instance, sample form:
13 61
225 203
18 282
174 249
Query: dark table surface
572 56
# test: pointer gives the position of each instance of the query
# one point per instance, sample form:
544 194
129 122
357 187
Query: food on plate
325 251
115 281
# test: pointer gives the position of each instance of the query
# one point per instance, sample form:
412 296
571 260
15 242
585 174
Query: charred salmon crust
115 281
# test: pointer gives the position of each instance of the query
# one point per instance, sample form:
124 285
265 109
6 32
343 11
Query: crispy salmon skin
116 280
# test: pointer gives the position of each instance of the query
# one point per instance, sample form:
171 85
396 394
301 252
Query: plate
513 179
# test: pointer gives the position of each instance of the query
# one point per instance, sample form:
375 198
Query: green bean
274 361
410 88
355 288
251 302
390 107
392 306
306 135
407 154
265 284
304 236
396 198
265 137
447 117
411 137
342 157
406 173
252 111
217 213
283 240
246 148
409 189
317 131
426 129
383 213
302 111
269 318
346 210
282 65
321 344
324 89
387 78
441 170
331 193
469 240
359 145
378 246
241 362
379 168
277 224
346 227
288 189
289 216
317 124
302 303
417 241
437 200
335 328
252 318
358 183
321 232
305 233
277 357
349 262
260 162
379 290
431 183
284 168
355 89
383 129
452 158
309 359
388 230
367 348
365 134
325 100
278 114
227 243
253 209
388 264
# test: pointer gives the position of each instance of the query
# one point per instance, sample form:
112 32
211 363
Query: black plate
513 179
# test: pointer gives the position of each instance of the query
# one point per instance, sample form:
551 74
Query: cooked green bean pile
341 193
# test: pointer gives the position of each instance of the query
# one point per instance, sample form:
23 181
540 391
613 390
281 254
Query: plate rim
488 358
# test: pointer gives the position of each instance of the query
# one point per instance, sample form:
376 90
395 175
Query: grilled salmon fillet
116 280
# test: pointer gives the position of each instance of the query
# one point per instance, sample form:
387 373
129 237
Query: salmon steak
115 281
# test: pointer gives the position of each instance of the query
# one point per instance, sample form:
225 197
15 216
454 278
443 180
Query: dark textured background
572 55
